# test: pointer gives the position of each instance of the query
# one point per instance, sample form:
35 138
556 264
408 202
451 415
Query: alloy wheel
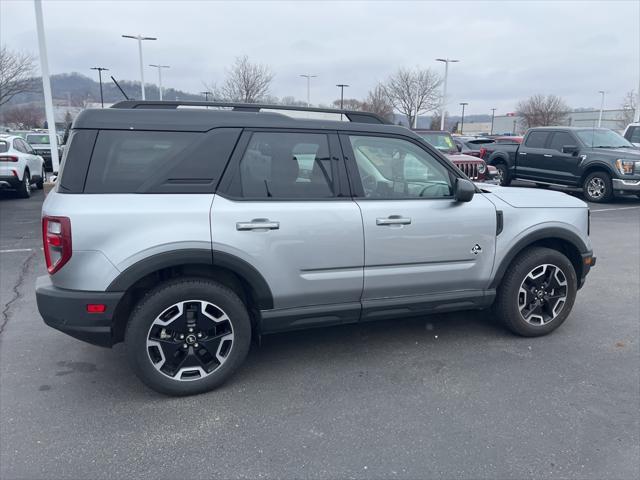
596 188
542 294
190 340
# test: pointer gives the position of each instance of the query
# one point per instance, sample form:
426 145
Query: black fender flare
196 256
541 234
597 165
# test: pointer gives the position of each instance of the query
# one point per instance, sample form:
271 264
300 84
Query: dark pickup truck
598 160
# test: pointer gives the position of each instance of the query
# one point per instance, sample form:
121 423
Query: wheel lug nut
195 345
190 330
185 346
181 337
199 335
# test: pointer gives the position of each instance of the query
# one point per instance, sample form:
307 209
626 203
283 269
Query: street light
464 104
446 61
160 67
206 95
341 87
140 38
601 92
493 114
100 70
308 77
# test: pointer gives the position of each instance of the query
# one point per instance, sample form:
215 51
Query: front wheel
537 293
188 336
597 187
24 189
504 177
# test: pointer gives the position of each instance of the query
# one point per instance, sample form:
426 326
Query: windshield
38 139
600 138
440 140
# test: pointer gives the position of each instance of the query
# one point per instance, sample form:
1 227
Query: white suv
632 133
19 166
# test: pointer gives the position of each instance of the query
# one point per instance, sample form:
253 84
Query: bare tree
246 82
378 102
413 92
629 105
542 111
349 104
24 117
292 101
16 74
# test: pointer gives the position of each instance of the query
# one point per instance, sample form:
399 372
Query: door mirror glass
464 190
570 149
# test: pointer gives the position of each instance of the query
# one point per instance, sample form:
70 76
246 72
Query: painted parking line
613 209
16 250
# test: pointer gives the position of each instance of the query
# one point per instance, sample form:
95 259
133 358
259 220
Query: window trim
357 190
229 186
546 141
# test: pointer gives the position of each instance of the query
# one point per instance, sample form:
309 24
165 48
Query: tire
40 183
155 348
597 187
24 189
536 265
504 177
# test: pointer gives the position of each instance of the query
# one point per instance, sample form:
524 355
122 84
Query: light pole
446 61
464 104
140 38
100 70
159 67
601 92
206 95
493 115
308 77
341 87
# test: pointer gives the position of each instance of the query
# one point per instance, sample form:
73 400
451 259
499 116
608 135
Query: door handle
393 220
523 153
547 155
258 224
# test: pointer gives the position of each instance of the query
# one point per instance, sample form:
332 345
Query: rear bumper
623 187
66 310
9 181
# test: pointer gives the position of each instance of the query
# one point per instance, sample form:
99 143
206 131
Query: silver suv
186 231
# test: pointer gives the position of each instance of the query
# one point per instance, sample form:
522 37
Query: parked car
42 145
508 140
472 167
598 160
632 133
471 145
185 232
20 167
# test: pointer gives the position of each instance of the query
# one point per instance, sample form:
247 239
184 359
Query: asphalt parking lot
434 397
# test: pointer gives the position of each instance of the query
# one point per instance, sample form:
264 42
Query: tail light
483 152
8 158
56 237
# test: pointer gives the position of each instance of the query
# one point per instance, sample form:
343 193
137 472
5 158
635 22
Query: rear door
561 167
420 244
531 155
283 206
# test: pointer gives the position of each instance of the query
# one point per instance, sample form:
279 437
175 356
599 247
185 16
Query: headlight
482 167
627 167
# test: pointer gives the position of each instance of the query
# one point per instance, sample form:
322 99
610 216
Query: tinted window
395 168
537 139
443 141
38 139
4 146
18 146
560 139
633 134
287 165
158 162
602 138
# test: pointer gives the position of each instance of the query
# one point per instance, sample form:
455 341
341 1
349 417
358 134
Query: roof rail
353 116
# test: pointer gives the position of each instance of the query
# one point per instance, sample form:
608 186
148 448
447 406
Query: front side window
393 168
537 139
561 139
283 165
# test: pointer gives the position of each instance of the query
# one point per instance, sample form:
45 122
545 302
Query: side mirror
572 149
464 190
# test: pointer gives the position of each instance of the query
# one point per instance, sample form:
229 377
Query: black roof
165 116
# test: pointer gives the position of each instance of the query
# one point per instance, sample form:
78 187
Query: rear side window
159 162
537 139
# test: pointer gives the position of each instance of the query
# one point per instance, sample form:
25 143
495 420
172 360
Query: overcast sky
508 50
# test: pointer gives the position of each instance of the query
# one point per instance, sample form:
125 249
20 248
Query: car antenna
119 88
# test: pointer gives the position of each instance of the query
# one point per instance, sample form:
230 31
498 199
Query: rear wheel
504 177
597 187
40 183
537 293
24 189
188 336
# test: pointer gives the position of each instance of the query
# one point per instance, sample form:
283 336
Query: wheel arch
597 167
564 241
227 269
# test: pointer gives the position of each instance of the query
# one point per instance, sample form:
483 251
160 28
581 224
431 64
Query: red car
474 168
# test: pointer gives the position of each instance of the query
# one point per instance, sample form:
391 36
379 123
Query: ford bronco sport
186 231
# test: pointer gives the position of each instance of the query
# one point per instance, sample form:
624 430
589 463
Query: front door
562 167
285 210
531 156
420 243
